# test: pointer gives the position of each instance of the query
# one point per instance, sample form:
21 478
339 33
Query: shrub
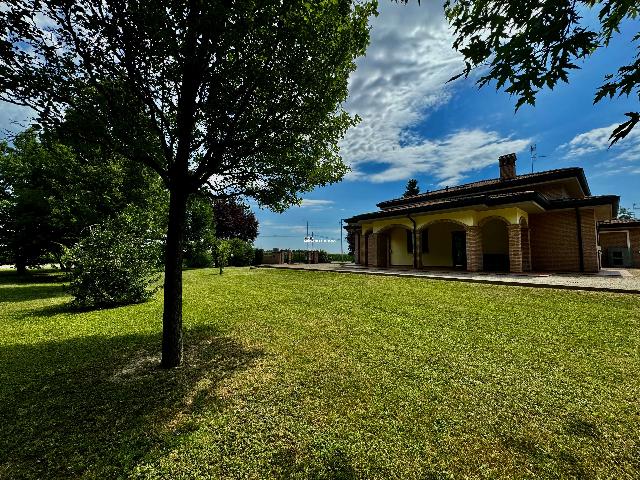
323 257
241 253
198 258
222 252
338 257
258 256
199 234
115 264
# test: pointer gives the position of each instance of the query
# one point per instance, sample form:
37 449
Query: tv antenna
534 155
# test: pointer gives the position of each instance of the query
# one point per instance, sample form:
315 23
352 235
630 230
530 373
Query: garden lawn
322 375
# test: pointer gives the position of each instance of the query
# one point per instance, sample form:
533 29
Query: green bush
323 257
241 253
258 256
221 253
339 257
115 264
198 258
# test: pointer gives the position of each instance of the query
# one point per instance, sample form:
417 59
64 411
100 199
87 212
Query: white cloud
402 78
14 118
316 204
597 141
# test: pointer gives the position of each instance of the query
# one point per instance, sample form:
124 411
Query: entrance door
459 249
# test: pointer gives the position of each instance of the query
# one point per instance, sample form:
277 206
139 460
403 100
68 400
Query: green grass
319 375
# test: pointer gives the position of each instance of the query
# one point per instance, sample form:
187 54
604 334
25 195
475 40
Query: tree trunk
172 316
21 264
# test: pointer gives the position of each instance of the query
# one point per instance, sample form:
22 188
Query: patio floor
607 280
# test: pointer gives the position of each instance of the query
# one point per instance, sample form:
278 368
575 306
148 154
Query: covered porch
484 240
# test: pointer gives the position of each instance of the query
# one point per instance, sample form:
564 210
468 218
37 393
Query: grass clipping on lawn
320 375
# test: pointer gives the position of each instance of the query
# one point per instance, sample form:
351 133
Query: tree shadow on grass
96 405
33 286
33 276
24 293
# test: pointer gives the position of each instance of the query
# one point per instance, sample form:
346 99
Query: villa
544 221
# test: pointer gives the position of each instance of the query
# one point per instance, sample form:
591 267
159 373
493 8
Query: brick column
526 249
356 247
589 240
373 250
515 248
474 249
362 249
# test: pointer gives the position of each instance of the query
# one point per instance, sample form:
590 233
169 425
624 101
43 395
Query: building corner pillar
474 249
373 250
515 248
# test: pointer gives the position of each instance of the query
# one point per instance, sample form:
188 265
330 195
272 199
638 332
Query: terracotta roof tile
458 189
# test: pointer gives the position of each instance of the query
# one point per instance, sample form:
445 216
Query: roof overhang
574 173
530 202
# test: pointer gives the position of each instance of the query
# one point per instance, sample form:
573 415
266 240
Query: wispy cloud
315 204
401 80
596 141
14 118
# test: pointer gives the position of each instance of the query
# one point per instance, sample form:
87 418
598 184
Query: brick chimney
507 166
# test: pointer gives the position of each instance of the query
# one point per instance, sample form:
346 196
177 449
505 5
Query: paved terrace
608 280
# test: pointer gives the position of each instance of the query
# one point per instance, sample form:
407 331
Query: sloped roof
489 200
619 223
494 184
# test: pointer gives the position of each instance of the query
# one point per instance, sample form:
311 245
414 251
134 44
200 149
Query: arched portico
442 244
495 244
395 246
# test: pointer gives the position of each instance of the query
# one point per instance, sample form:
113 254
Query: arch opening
442 244
398 245
495 245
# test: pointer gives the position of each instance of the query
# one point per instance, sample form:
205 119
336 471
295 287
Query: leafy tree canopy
242 96
234 219
625 214
52 193
411 188
527 46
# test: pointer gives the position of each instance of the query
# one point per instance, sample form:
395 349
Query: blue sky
416 125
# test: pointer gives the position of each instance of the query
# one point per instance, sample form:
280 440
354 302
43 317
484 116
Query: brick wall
635 246
589 240
554 241
474 249
363 250
373 250
619 239
356 247
515 248
526 249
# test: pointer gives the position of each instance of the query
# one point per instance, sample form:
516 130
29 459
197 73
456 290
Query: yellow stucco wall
440 244
465 217
399 253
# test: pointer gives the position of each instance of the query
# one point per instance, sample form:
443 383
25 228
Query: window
424 240
409 241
